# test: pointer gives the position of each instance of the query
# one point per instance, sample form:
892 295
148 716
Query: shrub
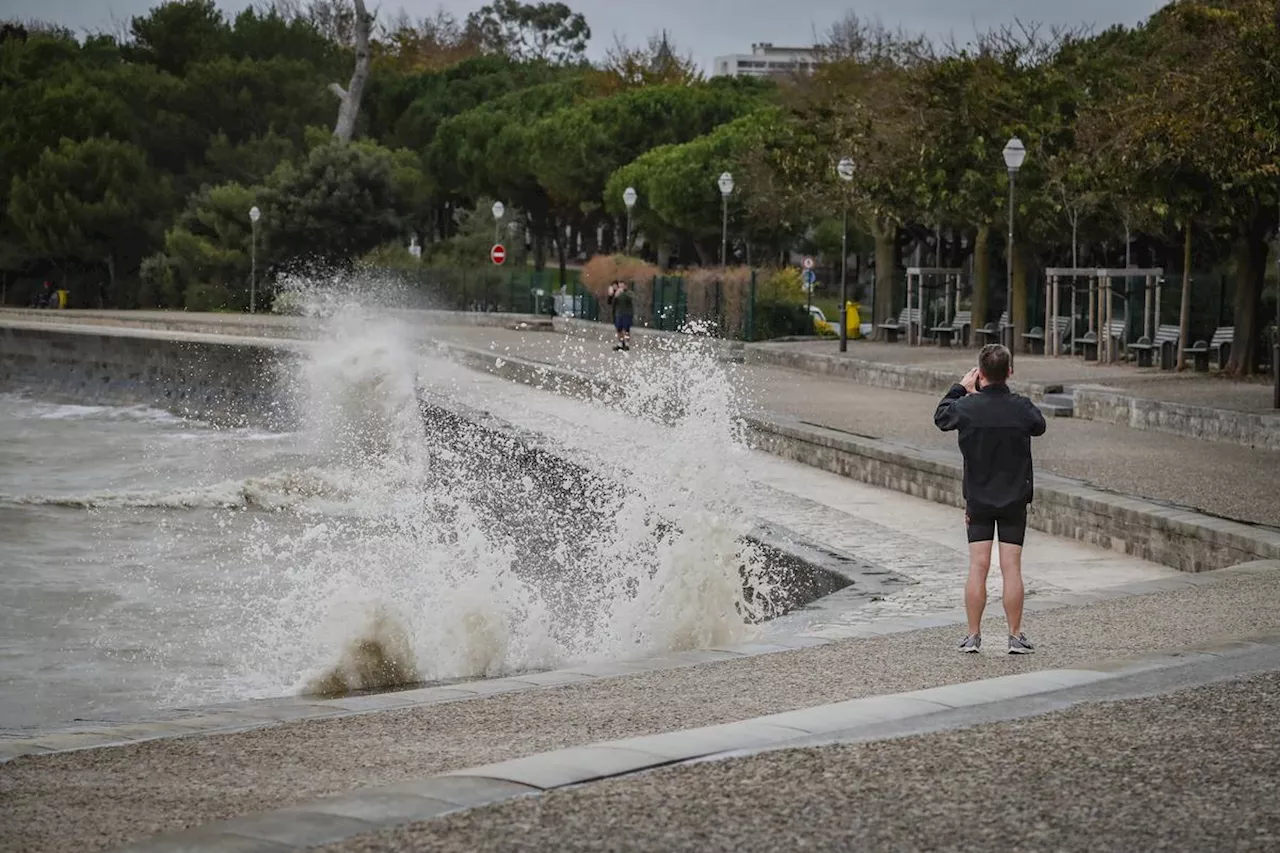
775 319
603 270
720 294
783 285
157 286
207 297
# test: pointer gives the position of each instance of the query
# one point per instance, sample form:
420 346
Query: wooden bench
1165 342
958 329
1037 338
1223 338
1220 343
994 332
1087 343
906 319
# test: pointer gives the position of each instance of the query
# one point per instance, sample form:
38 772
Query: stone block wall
1175 537
1251 429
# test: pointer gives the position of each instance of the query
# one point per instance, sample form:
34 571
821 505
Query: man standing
996 427
623 306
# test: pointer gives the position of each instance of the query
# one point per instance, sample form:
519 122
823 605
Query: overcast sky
705 28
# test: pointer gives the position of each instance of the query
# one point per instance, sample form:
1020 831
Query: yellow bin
62 298
852 321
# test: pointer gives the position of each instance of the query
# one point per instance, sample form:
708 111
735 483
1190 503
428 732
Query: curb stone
370 810
262 714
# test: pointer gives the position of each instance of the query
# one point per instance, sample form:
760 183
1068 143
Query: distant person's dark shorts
622 322
1011 521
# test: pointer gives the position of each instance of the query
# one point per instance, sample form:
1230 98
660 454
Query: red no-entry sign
498 254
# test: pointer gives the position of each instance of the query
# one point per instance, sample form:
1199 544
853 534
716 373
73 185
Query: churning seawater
148 562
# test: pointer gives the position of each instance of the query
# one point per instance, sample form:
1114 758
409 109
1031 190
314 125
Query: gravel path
1195 770
89 800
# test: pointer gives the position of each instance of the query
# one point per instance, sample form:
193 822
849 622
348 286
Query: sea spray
426 547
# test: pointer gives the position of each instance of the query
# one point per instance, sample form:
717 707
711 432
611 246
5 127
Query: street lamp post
1014 155
498 211
1275 343
726 189
629 199
845 170
254 216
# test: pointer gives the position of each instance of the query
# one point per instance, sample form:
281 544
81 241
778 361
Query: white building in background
765 59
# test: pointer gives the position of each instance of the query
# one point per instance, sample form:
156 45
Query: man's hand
970 381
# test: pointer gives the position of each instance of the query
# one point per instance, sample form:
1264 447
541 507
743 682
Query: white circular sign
726 183
845 169
254 213
498 210
629 197
807 263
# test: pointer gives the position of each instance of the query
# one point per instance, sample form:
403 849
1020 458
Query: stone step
1054 410
1060 400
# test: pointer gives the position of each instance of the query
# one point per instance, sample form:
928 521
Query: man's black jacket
996 427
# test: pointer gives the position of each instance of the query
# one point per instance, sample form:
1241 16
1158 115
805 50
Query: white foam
407 551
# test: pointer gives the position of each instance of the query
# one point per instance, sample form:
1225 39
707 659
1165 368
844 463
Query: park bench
958 329
1036 336
908 318
992 332
1165 342
1219 344
1088 342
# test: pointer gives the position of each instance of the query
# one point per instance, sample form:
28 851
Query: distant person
623 309
996 427
45 298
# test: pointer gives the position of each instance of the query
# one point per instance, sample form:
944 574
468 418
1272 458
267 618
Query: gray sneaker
971 645
1020 646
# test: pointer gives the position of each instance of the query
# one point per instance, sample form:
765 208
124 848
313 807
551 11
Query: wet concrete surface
94 799
1195 770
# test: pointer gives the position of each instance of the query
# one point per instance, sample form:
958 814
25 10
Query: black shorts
1012 522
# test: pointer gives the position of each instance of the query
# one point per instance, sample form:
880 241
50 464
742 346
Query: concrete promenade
94 799
1220 479
1229 480
1192 769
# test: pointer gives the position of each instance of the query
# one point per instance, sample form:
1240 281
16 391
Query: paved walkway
917 538
1200 389
1220 479
93 799
1195 770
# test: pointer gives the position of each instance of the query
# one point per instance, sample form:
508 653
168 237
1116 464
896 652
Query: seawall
216 378
233 380
1174 536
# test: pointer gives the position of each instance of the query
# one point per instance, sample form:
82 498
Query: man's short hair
993 361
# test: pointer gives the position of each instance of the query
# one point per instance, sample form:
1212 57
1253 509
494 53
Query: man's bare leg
1013 592
975 591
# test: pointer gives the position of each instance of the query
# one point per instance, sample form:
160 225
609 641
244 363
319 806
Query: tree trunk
664 254
562 247
1184 315
886 237
1251 265
981 276
111 277
349 106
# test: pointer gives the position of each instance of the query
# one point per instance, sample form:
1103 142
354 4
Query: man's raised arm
947 415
